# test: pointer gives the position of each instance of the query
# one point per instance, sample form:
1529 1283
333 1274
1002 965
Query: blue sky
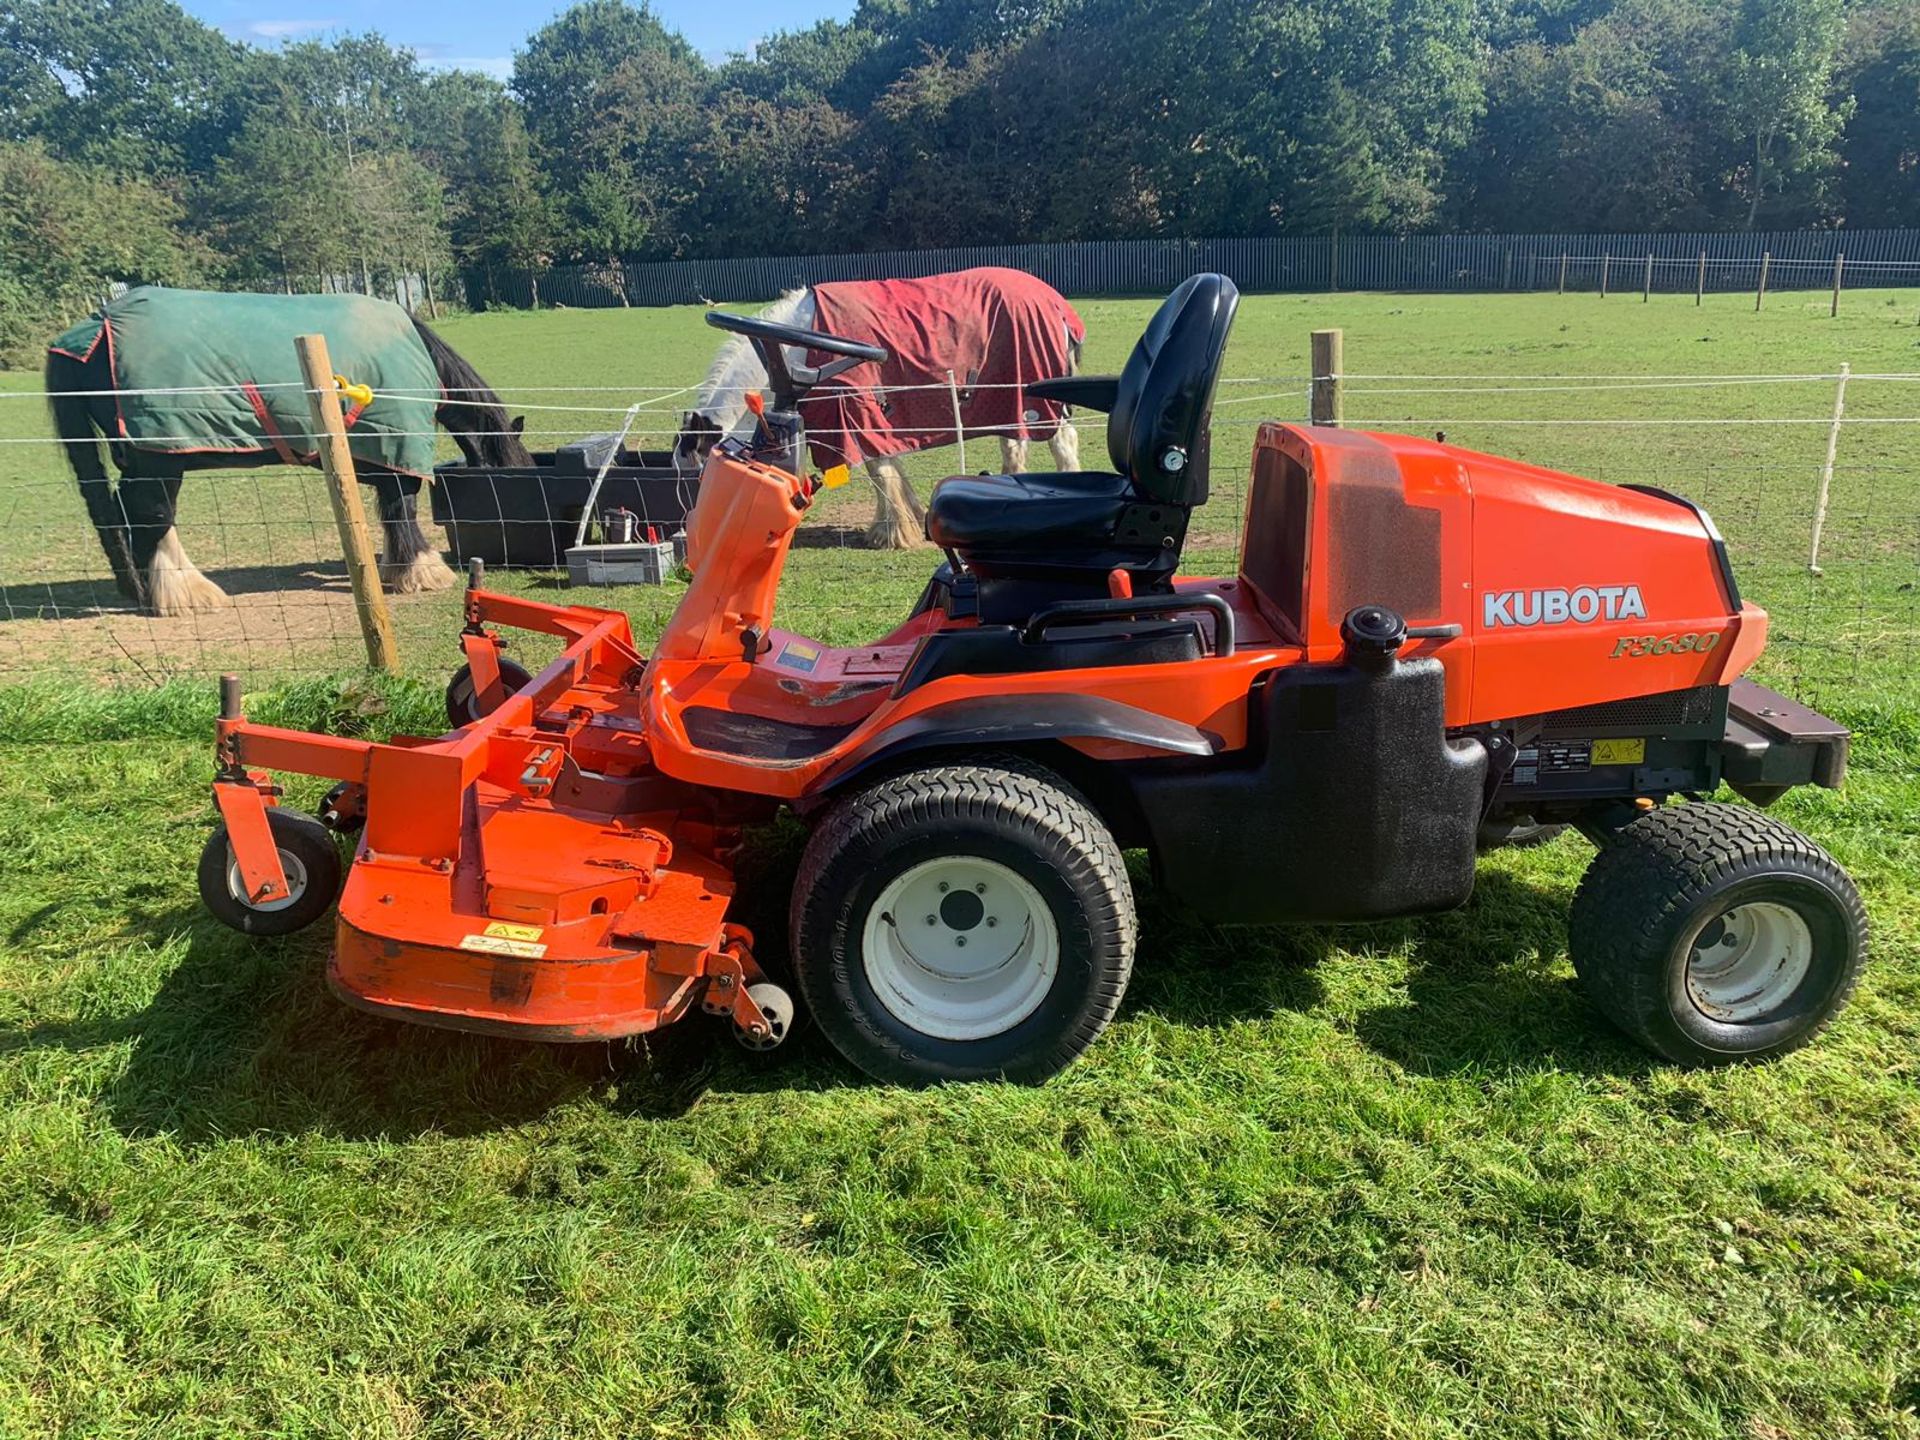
483 34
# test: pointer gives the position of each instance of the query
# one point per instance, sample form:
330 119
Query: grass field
1383 1180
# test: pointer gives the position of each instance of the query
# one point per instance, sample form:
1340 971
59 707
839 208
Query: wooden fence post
1606 265
1760 295
1325 407
343 488
1700 283
1839 266
1506 275
1646 282
1563 272
1826 470
959 429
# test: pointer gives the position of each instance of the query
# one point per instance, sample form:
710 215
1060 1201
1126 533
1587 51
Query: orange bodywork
562 867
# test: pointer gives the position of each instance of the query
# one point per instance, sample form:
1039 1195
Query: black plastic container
528 517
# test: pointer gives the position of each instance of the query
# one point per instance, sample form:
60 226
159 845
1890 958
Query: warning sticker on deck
507 930
496 945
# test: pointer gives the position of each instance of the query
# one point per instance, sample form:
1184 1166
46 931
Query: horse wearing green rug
180 380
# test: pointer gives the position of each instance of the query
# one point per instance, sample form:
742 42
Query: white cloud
287 29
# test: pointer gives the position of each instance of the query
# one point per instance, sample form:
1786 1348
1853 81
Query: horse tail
78 434
73 417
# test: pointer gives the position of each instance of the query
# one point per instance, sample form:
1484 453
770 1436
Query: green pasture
1390 1180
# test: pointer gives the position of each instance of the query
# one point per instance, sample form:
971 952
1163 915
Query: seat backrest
1157 430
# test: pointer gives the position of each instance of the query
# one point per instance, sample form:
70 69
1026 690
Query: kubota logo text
1556 607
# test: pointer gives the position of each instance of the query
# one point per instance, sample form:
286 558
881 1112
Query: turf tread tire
1635 898
977 797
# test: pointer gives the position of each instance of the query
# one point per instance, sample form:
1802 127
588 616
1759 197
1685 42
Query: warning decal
799 655
496 945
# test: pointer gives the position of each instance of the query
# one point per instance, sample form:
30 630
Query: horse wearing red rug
962 348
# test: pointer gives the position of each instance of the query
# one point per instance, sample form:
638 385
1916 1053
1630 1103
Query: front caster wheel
963 922
1713 933
463 705
307 855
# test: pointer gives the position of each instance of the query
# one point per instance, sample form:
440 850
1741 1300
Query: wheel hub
960 948
1747 961
290 866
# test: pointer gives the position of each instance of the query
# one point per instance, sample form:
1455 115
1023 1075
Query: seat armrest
1089 392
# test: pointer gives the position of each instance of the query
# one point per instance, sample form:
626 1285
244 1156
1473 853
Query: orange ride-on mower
1422 645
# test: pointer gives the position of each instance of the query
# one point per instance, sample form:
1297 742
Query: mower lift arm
1089 392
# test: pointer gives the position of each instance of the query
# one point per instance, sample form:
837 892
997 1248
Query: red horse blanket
997 330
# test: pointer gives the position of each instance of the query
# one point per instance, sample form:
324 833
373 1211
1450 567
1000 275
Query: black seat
1028 539
979 511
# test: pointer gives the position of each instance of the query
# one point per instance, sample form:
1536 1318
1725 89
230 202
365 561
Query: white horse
899 520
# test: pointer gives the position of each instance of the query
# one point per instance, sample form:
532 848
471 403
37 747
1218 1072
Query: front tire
1712 933
963 922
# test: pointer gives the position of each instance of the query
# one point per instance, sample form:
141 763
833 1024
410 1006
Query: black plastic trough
528 516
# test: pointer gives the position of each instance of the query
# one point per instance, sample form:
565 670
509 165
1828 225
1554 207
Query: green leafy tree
564 76
70 230
1609 131
607 221
771 177
396 215
276 194
1778 93
138 85
500 217
801 66
1880 151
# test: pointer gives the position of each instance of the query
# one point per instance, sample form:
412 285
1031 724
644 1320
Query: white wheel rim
290 866
1745 962
960 948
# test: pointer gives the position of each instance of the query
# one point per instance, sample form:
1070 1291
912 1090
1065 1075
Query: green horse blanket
202 371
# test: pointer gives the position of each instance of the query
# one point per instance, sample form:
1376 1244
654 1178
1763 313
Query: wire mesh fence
1749 447
1274 264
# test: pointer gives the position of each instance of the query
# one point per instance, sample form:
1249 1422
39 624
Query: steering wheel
792 379
755 328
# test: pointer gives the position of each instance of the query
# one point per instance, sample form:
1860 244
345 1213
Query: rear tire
310 860
963 922
1712 933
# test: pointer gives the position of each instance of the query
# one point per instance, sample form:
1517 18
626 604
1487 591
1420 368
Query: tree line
137 143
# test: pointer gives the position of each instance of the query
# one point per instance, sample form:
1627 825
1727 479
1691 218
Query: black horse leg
147 503
110 523
79 425
410 563
400 533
